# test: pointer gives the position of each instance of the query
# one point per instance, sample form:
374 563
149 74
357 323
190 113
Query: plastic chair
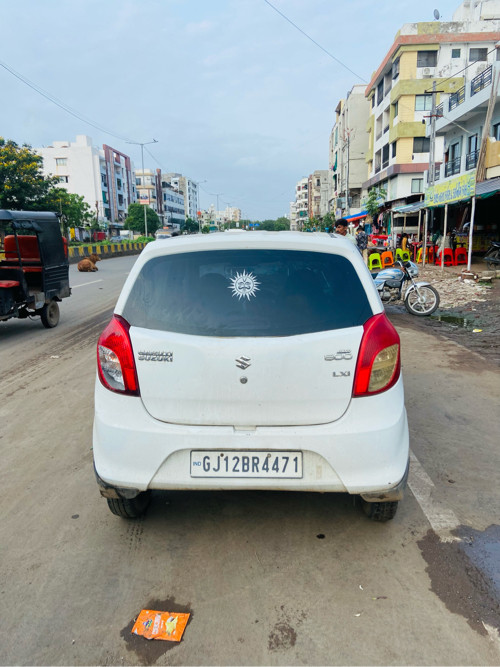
406 255
429 255
448 257
387 258
399 254
374 261
460 256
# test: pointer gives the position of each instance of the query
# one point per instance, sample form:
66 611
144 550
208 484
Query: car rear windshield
230 293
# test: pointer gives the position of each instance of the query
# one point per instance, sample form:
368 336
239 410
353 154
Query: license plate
284 465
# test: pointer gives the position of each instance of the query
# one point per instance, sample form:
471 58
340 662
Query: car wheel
129 508
50 315
380 511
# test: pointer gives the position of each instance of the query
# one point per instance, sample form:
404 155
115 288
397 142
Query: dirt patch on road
463 579
469 313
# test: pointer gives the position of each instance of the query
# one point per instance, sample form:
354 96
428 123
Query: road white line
90 283
442 520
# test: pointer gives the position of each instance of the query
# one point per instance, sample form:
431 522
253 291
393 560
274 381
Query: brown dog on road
86 265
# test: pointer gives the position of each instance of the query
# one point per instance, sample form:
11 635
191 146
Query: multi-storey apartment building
155 190
470 165
318 187
348 148
301 200
189 189
400 93
103 177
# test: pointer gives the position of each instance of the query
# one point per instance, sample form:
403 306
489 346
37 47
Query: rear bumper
365 452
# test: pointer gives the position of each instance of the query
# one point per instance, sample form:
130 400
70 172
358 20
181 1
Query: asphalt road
269 578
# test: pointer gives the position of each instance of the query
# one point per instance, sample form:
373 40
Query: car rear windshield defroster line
238 293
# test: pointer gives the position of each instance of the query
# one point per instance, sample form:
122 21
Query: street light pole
198 183
142 144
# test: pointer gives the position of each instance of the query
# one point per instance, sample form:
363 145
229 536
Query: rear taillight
115 358
379 365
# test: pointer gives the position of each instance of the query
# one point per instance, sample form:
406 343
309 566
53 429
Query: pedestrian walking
362 242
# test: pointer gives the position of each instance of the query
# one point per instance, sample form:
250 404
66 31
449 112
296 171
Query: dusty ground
469 312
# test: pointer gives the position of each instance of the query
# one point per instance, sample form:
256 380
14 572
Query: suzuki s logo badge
341 355
156 356
243 362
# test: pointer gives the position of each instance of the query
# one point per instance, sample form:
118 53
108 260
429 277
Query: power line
315 42
61 104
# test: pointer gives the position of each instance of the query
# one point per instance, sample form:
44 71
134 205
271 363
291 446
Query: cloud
200 27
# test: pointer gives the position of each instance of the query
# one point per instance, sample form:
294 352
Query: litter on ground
160 625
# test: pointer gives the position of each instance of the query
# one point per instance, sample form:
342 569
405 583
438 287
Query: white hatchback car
262 360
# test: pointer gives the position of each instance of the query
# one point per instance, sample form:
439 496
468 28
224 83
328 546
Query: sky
237 98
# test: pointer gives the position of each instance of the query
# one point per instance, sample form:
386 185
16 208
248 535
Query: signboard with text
454 190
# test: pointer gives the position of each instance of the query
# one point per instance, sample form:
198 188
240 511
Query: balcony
481 81
440 110
471 160
452 167
456 99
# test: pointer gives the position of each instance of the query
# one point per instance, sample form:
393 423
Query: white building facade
103 177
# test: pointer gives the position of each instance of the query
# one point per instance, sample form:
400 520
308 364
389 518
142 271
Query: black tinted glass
232 293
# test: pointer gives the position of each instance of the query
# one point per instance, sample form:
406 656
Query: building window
395 69
496 131
373 100
396 109
455 53
498 54
427 58
417 185
421 144
138 181
380 91
394 146
61 161
62 179
477 55
423 102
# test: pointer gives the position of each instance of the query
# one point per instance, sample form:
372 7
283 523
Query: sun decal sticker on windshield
244 285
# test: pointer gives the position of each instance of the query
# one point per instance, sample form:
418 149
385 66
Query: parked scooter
492 257
419 298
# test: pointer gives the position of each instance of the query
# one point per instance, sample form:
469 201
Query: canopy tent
356 216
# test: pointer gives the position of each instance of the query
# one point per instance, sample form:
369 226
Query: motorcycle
419 298
492 257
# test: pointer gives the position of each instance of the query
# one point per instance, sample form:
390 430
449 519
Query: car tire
380 511
50 315
130 508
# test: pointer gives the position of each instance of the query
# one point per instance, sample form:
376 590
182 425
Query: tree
374 201
74 210
328 222
22 183
205 229
191 226
135 219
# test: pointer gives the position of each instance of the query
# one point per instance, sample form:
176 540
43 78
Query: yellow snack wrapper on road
160 625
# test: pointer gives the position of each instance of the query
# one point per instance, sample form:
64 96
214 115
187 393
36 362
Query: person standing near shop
341 227
362 242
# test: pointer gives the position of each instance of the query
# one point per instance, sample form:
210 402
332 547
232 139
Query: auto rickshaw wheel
50 315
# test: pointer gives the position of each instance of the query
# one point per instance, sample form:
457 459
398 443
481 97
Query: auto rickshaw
33 266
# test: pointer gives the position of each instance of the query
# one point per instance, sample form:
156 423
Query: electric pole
144 143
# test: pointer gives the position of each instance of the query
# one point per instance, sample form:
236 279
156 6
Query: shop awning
488 187
357 216
410 208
